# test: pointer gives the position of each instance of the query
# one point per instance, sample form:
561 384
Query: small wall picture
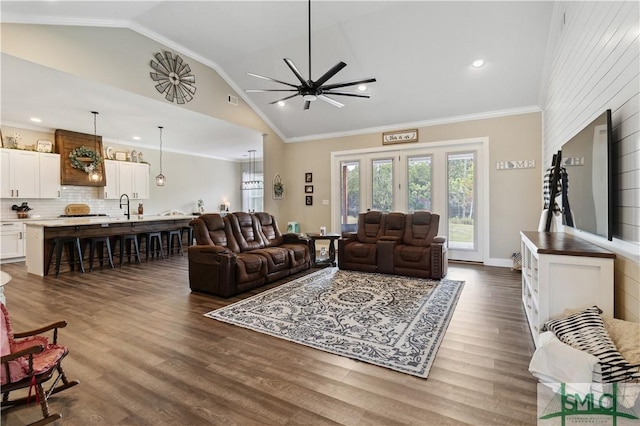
308 177
308 200
44 146
308 189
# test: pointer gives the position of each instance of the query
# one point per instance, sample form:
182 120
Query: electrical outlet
325 202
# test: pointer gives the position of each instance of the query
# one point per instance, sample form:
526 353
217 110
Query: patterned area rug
386 320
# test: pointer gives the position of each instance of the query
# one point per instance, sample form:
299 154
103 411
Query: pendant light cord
160 127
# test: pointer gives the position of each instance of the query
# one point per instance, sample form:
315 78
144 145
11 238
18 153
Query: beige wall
515 195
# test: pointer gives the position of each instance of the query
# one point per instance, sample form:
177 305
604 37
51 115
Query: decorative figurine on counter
140 209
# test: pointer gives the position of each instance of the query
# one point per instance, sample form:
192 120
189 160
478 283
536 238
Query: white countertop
95 220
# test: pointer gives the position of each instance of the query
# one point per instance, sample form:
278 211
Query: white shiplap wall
593 64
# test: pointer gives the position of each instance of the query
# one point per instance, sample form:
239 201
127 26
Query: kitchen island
39 233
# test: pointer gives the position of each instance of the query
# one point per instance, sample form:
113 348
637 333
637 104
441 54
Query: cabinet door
126 175
5 174
49 175
141 181
111 191
11 240
26 173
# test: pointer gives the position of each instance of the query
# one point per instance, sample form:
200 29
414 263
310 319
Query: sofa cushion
213 229
394 225
269 229
421 228
245 230
585 330
370 227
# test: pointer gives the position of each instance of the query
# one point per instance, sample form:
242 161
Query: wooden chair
28 361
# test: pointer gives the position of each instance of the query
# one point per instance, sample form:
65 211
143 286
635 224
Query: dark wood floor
145 355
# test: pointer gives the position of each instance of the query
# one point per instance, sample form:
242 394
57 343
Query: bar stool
125 244
57 244
99 244
153 244
173 235
189 231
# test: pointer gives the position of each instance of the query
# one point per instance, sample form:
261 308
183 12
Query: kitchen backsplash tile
46 208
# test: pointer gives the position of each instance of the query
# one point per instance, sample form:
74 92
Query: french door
443 178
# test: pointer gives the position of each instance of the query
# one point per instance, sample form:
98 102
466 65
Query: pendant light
253 183
160 179
94 173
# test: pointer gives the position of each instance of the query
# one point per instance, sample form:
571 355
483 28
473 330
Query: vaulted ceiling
420 52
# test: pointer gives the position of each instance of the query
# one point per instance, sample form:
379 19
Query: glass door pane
461 201
382 184
419 183
349 195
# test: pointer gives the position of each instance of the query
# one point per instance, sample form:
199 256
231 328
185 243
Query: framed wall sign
308 189
400 136
308 200
44 146
308 177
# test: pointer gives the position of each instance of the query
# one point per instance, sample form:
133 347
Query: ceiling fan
311 90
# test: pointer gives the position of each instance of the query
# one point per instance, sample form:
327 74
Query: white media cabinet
561 271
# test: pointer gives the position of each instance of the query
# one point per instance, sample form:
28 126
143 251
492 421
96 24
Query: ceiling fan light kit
312 90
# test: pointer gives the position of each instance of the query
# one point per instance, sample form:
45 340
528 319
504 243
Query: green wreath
84 152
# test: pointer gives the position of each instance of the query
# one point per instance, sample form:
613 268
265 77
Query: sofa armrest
439 240
212 269
384 253
293 238
439 257
211 255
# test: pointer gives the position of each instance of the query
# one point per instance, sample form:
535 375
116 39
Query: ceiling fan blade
307 104
348 83
355 95
270 79
327 75
293 68
330 101
283 99
269 90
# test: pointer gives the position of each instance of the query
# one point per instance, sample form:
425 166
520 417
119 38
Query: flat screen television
587 158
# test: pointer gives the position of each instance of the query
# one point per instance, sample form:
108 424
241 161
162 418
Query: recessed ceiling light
281 103
36 120
362 87
477 63
136 138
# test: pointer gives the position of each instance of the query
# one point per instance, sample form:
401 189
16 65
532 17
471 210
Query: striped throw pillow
585 331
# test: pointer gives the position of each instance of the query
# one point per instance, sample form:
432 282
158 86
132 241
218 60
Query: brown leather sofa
395 243
240 251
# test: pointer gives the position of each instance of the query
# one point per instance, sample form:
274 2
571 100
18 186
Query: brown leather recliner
216 264
299 255
233 255
358 251
404 244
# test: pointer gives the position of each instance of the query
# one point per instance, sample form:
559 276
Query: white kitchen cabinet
20 174
126 178
50 175
12 241
111 190
561 271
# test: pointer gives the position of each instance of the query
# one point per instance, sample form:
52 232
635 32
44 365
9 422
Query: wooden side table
314 236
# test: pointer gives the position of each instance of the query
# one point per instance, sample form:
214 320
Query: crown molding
427 123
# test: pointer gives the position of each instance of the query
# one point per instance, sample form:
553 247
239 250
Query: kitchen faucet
127 214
